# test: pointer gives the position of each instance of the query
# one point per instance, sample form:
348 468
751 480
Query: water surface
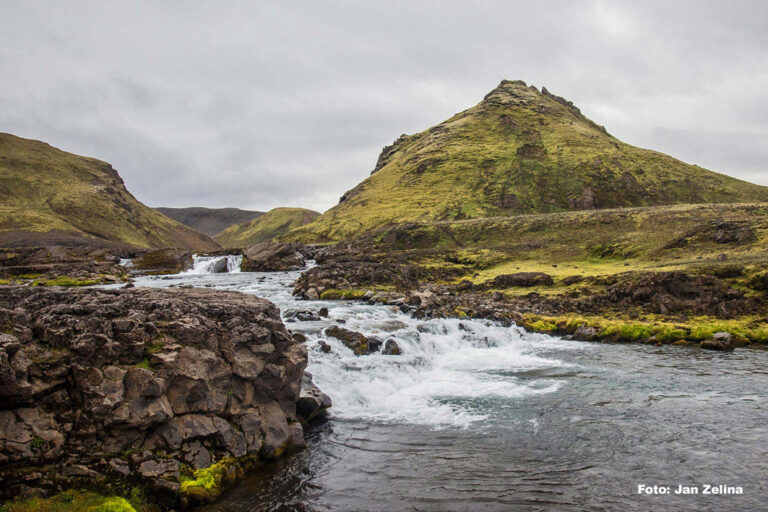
476 416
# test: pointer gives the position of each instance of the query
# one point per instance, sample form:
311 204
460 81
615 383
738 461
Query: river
474 416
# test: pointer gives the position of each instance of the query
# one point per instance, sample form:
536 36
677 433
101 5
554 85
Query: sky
259 104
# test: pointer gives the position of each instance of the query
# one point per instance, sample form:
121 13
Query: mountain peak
520 150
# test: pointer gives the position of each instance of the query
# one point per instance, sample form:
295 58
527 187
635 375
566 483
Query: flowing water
474 416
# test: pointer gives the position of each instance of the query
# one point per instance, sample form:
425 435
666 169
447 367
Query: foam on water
446 369
205 264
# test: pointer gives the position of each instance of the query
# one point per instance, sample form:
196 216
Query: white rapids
206 264
446 366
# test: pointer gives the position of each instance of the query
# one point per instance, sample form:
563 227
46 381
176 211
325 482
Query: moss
70 501
750 329
344 294
144 363
65 281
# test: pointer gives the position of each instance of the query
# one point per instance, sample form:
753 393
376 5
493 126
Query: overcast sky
260 104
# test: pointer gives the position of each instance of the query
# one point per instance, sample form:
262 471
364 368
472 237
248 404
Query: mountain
520 150
272 224
209 220
50 197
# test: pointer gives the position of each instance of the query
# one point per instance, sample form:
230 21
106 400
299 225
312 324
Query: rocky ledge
145 388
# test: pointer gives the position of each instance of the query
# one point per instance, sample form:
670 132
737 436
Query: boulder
722 341
272 256
522 279
164 261
312 403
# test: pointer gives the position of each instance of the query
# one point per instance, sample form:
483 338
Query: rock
272 256
164 261
522 279
168 376
302 316
391 348
323 312
324 347
219 266
359 344
585 333
312 402
722 341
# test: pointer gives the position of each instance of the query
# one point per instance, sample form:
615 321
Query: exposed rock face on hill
273 224
50 197
520 150
99 387
209 220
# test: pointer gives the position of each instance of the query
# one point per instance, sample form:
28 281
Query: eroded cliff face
141 387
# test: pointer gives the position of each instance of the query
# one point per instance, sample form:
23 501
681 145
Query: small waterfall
126 262
229 263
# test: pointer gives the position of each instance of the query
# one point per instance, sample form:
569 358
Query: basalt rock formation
140 388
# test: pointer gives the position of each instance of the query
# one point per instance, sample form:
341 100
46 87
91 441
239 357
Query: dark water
475 416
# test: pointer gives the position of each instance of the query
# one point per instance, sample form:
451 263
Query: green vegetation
747 330
65 281
50 196
719 239
519 151
72 501
350 294
272 224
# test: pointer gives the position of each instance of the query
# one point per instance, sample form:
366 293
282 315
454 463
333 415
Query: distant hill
209 220
50 197
518 151
272 224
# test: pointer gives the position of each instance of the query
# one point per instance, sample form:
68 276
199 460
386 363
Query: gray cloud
261 104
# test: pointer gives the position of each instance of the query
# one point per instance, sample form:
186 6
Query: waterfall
229 263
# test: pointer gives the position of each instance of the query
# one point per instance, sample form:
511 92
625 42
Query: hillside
209 220
274 223
518 151
50 197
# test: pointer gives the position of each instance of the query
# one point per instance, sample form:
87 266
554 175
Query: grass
517 152
272 224
43 189
72 501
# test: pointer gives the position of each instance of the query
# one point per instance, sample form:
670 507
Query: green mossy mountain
51 197
274 223
518 151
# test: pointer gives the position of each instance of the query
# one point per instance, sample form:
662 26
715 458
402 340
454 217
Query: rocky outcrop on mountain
272 256
101 387
522 279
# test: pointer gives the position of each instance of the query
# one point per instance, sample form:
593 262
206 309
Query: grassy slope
272 224
209 220
518 151
46 190
596 242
